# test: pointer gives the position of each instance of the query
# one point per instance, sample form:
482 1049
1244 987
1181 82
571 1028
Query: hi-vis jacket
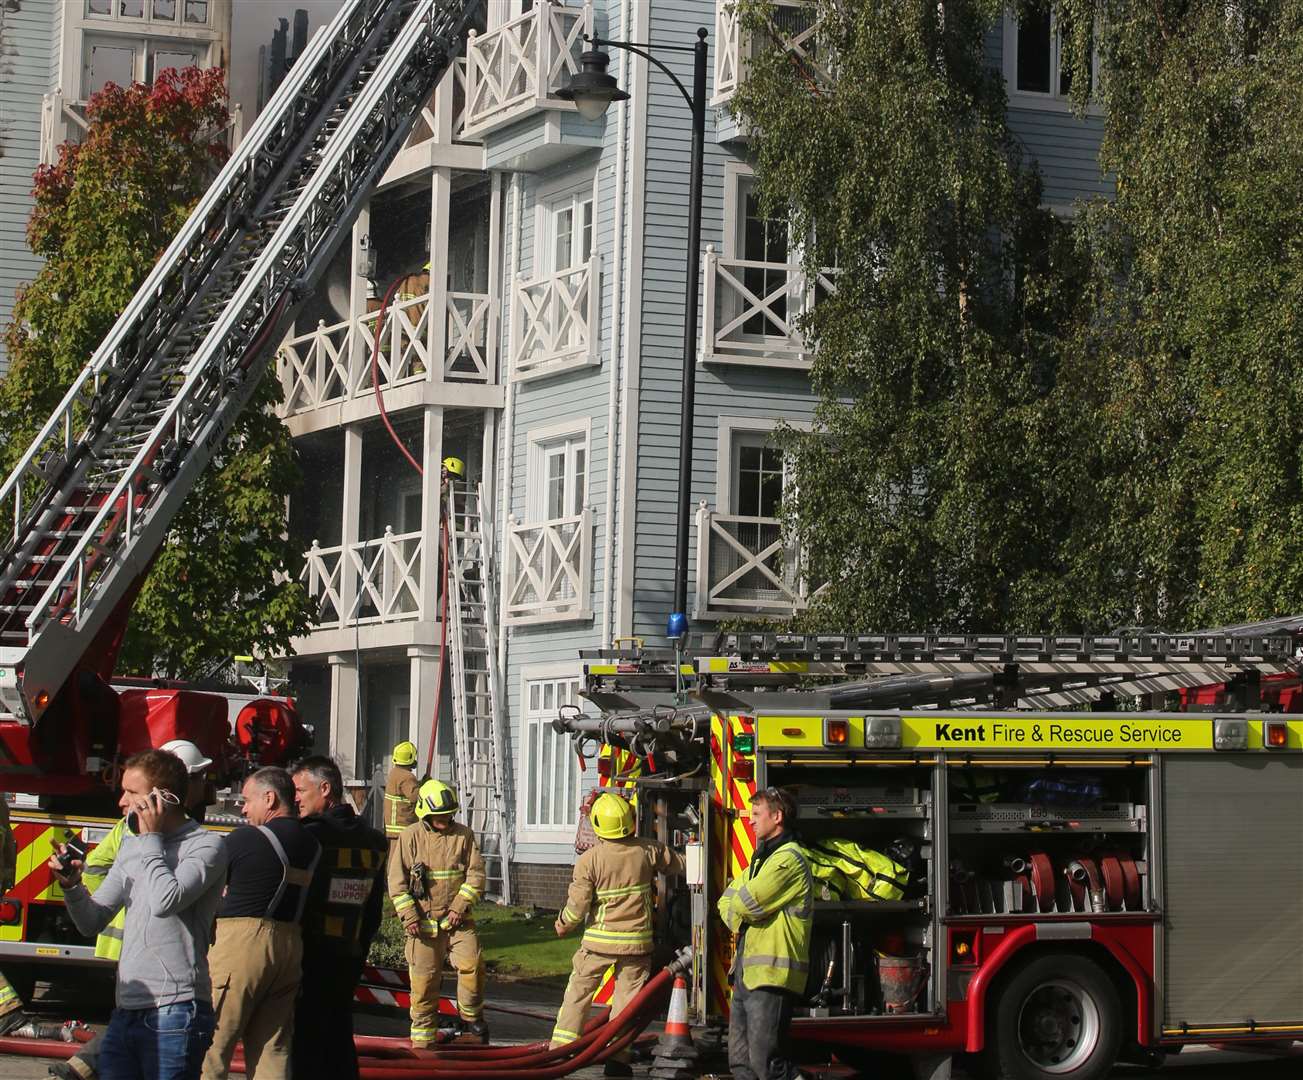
776 905
616 875
454 873
93 872
400 800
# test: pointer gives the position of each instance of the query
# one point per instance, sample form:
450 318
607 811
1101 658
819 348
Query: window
1036 52
124 60
763 240
570 232
192 12
757 475
551 774
558 479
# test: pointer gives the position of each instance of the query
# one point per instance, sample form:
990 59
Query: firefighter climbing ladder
92 498
479 743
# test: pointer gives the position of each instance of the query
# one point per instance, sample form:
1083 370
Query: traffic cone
674 1056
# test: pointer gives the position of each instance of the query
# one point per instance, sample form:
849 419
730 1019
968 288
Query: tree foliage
104 213
1026 422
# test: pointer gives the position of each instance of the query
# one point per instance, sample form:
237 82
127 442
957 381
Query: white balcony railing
65 121
443 119
555 321
793 24
548 570
747 566
333 363
519 66
372 581
752 311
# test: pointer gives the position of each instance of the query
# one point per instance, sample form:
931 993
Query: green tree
1198 274
933 490
104 213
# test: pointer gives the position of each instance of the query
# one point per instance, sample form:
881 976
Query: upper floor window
189 12
1037 56
558 478
124 60
570 231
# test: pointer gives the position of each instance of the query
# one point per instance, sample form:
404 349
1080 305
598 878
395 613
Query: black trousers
758 1025
323 1021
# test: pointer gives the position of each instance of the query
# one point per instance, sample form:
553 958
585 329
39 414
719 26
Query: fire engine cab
1001 868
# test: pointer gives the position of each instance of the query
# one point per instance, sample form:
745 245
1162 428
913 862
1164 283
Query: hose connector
682 962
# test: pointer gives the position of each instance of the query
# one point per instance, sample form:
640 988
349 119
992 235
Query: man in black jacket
342 916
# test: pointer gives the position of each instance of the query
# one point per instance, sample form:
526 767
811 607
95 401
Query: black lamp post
592 90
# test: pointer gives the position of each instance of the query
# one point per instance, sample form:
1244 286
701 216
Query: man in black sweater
342 917
256 961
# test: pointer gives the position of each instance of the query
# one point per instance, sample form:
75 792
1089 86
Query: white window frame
147 17
550 201
729 427
541 441
144 48
532 770
1034 99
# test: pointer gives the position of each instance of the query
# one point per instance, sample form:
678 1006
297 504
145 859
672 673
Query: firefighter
615 875
436 874
401 790
11 1005
342 915
451 466
770 909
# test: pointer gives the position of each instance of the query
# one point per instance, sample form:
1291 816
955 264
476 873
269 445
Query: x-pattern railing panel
466 356
554 317
548 568
370 581
792 24
314 368
747 564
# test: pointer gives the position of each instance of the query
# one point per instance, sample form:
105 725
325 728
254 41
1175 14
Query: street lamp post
592 91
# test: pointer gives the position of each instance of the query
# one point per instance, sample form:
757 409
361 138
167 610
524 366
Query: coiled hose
381 1058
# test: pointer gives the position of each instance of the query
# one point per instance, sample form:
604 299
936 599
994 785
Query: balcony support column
436 312
345 711
432 439
424 692
352 524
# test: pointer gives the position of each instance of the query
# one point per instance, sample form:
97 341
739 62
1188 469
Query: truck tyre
1057 1017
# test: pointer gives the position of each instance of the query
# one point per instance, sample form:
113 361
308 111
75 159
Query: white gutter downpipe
509 421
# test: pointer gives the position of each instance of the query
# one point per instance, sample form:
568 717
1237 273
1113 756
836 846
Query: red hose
375 377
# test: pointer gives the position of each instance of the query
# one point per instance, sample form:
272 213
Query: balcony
793 25
439 137
372 581
332 364
65 121
512 75
752 311
555 321
746 566
548 572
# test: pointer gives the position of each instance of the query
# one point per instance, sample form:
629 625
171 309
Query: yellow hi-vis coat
108 945
616 876
400 800
454 873
776 905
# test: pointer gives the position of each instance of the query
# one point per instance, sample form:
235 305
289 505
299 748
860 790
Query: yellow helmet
435 798
612 817
455 466
405 753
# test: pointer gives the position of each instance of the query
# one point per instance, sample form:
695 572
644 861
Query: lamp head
592 89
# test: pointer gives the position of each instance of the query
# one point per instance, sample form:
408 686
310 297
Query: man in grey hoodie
169 876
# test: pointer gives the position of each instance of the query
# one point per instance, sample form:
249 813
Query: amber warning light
836 732
1275 734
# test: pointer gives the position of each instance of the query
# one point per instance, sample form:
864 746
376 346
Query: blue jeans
166 1043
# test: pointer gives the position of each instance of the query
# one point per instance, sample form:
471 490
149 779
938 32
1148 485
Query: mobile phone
74 850
159 800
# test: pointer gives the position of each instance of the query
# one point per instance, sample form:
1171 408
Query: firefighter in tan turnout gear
612 888
436 874
401 791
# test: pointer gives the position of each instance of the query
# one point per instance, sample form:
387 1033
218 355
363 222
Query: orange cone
675 1053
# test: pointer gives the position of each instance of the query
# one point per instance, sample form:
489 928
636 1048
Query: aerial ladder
92 498
479 743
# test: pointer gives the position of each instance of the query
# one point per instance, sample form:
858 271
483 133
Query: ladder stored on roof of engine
92 498
479 740
909 670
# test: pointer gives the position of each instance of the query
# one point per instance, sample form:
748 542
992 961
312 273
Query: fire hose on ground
381 1058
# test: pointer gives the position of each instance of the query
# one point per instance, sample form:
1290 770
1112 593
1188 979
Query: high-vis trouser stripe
560 1035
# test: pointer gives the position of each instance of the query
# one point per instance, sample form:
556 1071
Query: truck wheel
1059 1016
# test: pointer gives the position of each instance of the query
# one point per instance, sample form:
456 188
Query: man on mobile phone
168 876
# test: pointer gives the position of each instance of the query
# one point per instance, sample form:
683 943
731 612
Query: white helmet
190 755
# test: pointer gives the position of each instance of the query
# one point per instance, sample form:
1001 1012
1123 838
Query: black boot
477 1029
618 1070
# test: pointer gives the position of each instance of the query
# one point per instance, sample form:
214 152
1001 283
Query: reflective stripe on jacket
776 905
613 881
108 945
400 800
454 873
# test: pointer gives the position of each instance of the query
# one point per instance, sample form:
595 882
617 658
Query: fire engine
1084 882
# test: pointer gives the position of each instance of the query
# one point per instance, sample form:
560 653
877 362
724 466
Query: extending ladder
479 739
93 497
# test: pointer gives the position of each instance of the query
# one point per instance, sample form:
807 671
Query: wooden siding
27 71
